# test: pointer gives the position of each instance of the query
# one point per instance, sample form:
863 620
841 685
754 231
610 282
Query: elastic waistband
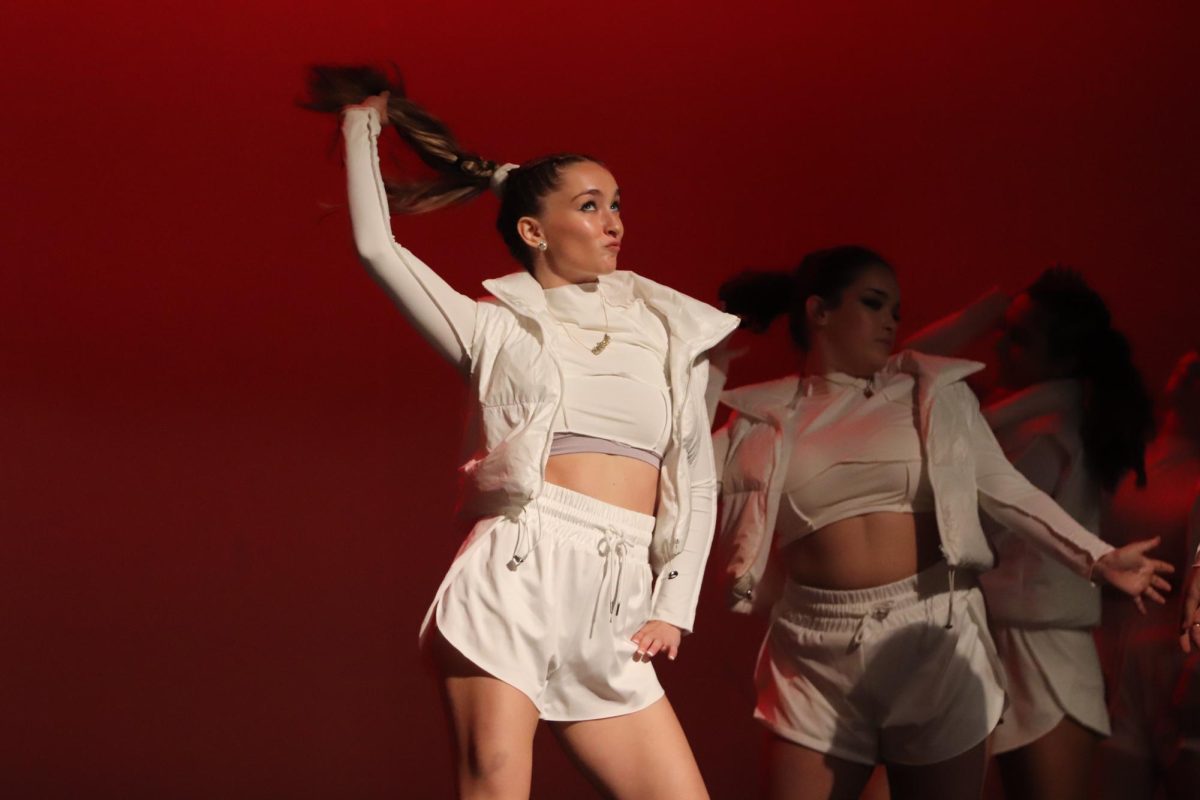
575 508
853 603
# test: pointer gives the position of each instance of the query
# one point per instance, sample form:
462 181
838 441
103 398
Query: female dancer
594 466
878 649
1075 418
1154 689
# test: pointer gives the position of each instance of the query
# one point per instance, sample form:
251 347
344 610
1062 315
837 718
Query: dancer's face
858 335
1023 353
580 222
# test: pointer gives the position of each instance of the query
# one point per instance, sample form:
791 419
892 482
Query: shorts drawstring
879 613
612 547
950 613
519 555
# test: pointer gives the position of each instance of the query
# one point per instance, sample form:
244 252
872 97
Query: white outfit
911 439
1041 613
862 455
1154 689
558 628
506 347
966 467
900 673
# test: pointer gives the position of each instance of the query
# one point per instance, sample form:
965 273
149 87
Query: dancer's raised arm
444 317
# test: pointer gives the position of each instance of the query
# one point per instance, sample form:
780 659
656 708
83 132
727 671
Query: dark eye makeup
590 205
876 304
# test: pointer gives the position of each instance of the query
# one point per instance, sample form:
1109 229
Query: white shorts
1052 673
557 625
875 675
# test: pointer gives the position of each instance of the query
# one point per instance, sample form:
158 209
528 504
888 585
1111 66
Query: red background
228 465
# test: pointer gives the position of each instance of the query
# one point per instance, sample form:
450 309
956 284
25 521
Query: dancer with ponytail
1073 417
851 498
591 493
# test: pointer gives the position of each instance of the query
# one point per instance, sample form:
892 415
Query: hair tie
500 174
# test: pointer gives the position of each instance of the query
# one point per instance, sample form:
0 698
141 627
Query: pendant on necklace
600 345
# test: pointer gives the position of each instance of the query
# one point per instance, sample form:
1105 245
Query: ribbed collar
575 301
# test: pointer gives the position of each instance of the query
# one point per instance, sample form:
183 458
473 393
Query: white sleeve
1011 500
1043 462
675 601
717 376
720 445
952 334
443 316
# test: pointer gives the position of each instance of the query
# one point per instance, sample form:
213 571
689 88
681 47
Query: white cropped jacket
967 469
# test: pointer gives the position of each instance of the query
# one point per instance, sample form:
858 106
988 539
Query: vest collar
766 400
933 372
697 324
772 399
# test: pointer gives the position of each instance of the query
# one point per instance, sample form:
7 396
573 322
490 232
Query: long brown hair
1118 414
461 175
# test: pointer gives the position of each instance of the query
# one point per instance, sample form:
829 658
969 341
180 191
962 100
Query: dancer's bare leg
492 724
639 756
795 772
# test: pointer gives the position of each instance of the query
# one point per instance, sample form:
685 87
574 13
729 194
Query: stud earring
542 246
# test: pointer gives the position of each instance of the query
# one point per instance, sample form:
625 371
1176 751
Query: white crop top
622 394
859 452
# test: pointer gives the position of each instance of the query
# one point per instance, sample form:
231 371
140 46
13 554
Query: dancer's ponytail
759 297
461 175
1118 415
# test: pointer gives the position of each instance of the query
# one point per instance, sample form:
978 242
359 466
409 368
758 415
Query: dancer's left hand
656 637
1134 573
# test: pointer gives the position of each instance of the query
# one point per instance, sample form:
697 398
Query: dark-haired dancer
594 467
1074 418
864 478
1154 689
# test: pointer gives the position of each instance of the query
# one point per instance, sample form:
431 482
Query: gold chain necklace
599 346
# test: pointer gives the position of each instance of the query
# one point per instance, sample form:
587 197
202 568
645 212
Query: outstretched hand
1134 573
655 637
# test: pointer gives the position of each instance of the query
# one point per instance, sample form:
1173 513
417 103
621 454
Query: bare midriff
618 480
865 551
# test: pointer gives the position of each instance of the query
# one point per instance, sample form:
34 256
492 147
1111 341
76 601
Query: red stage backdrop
228 465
